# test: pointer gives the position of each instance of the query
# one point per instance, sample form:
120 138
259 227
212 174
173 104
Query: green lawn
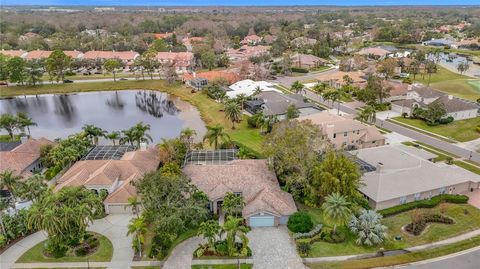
150 234
103 254
435 232
442 74
210 110
222 266
463 88
459 130
400 259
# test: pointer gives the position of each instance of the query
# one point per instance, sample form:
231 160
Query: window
345 133
358 132
403 200
443 190
238 193
417 196
334 135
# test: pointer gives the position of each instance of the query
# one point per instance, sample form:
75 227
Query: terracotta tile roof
174 56
22 156
106 173
374 51
397 88
231 77
257 183
122 55
250 38
38 54
13 53
162 35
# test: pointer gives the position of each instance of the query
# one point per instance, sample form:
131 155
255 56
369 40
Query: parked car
67 81
122 79
3 83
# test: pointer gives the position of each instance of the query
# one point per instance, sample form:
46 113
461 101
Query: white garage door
117 209
262 221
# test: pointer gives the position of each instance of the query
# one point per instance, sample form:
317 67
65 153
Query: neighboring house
23 158
307 61
303 41
14 53
248 87
439 42
398 90
163 35
251 40
181 61
127 57
421 96
471 43
268 39
42 54
376 52
336 80
265 202
345 133
189 42
112 168
211 76
244 53
272 103
400 174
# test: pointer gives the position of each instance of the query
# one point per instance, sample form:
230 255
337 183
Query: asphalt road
470 260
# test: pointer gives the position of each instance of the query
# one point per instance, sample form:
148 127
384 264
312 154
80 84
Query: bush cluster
299 70
430 203
310 234
300 222
16 226
417 228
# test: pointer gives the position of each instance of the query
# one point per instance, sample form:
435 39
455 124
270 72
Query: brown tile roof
175 56
231 77
105 173
40 54
374 51
22 156
13 53
250 38
122 55
162 35
257 183
397 88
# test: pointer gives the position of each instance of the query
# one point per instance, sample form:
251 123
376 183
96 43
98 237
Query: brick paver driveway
273 248
474 197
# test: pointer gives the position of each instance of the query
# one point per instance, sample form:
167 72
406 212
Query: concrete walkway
181 256
114 227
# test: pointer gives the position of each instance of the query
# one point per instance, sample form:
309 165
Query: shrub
300 222
221 248
334 238
299 70
304 248
81 251
417 227
310 234
430 203
446 120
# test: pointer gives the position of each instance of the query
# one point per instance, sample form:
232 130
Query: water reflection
115 102
155 104
65 108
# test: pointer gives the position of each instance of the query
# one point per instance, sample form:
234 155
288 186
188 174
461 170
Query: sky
238 2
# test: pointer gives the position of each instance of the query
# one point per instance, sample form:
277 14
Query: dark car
3 83
122 79
67 81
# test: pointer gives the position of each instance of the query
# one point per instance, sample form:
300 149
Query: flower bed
416 228
221 251
310 234
430 203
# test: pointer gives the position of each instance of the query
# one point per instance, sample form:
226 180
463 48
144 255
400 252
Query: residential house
114 172
182 61
303 41
163 35
23 158
398 89
228 76
14 53
273 103
307 61
419 96
376 52
336 79
345 133
443 42
127 57
248 87
266 204
251 40
399 174
42 54
244 53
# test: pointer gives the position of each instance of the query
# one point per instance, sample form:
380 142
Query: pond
451 61
58 116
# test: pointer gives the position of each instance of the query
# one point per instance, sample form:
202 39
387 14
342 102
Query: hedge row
432 202
299 70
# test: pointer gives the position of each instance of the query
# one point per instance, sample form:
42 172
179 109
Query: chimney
378 167
450 97
143 146
23 139
194 74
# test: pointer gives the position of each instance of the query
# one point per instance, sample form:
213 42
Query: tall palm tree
138 228
257 92
368 114
11 182
233 227
296 86
33 188
214 133
336 209
187 135
140 130
113 136
25 122
128 137
333 95
93 132
209 230
319 88
240 99
232 203
233 112
134 204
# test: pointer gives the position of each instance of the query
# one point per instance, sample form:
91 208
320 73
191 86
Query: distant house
251 40
266 204
336 79
244 53
303 41
14 53
114 170
127 57
345 133
307 61
248 87
400 174
163 35
23 158
376 52
268 39
439 42
421 96
188 42
42 54
181 61
210 76
272 103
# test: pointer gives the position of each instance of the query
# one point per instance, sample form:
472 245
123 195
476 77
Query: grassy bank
210 110
464 88
442 74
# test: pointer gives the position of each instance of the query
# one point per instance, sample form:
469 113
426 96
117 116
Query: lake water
62 115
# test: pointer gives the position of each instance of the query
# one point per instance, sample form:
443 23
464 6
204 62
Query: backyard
463 88
459 130
467 218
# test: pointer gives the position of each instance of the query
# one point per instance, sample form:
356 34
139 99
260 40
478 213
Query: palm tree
134 204
93 132
214 133
296 86
333 95
187 135
233 227
233 112
25 122
336 209
11 182
140 130
127 137
257 92
244 153
209 230
240 99
233 203
368 114
368 227
113 136
319 88
33 188
138 228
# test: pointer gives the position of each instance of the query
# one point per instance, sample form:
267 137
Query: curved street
467 259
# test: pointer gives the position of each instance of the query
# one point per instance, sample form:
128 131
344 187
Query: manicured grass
150 234
103 254
434 232
401 259
222 266
7 138
463 88
210 110
442 74
459 130
470 167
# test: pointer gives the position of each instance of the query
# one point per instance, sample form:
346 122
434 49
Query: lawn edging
222 261
434 135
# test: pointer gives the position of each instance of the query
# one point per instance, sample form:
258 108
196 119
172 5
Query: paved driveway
181 257
273 248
